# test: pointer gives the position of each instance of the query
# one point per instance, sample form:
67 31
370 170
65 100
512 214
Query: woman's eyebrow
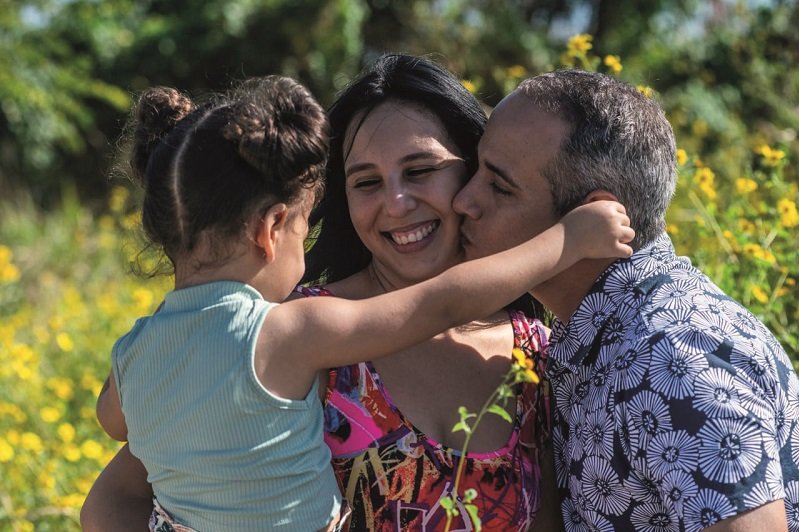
428 155
358 167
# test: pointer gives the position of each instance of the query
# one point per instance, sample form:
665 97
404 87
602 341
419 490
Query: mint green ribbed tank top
221 452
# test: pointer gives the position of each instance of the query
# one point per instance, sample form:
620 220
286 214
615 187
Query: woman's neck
369 282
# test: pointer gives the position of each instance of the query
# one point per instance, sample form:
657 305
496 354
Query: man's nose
464 202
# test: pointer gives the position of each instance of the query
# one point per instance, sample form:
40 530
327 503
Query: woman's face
401 174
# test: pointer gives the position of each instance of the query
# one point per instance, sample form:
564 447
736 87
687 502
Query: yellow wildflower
613 63
74 500
56 323
61 387
790 281
705 178
143 299
23 525
519 356
704 175
71 453
31 442
759 294
516 71
133 220
745 185
88 381
470 86
118 198
66 432
672 229
50 414
13 437
745 226
9 273
13 411
525 366
6 450
771 157
789 217
758 252
64 342
646 90
579 44
46 482
91 449
682 157
24 373
5 254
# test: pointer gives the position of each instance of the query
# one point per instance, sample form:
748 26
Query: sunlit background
725 71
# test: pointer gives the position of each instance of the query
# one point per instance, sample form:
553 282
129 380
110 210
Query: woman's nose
399 201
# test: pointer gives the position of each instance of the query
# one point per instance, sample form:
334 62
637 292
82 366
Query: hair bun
281 129
156 113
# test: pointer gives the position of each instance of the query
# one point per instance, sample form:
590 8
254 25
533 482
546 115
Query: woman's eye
418 172
499 190
366 183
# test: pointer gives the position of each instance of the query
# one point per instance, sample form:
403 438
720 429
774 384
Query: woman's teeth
413 236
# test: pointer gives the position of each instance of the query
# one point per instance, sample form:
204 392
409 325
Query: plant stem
462 461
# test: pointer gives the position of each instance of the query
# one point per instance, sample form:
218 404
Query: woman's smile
417 234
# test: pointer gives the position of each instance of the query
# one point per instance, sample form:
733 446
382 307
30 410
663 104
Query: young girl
216 392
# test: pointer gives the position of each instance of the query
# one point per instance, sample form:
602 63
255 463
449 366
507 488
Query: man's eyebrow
503 174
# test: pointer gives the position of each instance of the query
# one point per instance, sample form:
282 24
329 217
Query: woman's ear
599 195
269 229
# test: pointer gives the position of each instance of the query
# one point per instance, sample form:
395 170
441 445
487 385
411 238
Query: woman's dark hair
337 251
208 170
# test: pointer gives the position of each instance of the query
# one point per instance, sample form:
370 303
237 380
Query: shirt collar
572 341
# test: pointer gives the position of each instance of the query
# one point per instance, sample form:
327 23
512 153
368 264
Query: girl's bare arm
109 411
301 337
120 499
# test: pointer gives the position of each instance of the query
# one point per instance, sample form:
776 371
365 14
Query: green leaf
498 410
504 391
465 414
462 425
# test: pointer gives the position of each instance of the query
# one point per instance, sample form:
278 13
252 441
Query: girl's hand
598 230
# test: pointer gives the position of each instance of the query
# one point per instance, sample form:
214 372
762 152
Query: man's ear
269 229
599 195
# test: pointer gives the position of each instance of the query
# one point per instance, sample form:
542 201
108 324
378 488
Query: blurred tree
69 68
49 95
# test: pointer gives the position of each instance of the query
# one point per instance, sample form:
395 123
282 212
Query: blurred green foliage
69 68
724 70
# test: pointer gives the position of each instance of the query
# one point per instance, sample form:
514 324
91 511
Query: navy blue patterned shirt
675 407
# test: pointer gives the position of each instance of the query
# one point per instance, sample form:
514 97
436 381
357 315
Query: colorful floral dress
394 476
